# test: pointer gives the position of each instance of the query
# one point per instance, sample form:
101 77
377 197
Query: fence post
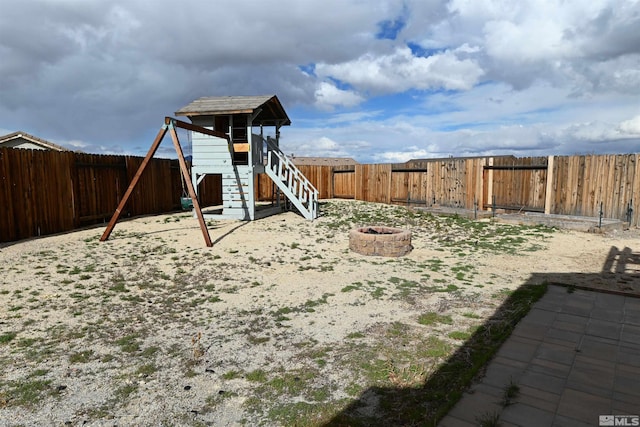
332 187
549 187
389 186
475 208
493 207
636 188
601 215
357 187
490 184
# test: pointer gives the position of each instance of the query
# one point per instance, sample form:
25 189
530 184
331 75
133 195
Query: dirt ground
278 323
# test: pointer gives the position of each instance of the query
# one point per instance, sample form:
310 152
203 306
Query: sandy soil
154 328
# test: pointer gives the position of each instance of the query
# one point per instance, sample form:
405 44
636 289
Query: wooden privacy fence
582 184
451 182
515 184
44 192
569 185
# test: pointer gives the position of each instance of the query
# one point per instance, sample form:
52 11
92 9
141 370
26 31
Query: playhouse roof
271 111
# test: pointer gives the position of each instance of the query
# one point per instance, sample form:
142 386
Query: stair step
296 187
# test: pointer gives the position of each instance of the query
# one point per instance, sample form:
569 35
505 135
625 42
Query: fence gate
516 184
343 183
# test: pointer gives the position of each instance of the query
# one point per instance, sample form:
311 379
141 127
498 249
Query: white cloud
325 144
631 127
527 41
514 43
320 147
602 132
110 61
75 144
400 70
517 76
341 141
403 156
329 96
355 116
621 74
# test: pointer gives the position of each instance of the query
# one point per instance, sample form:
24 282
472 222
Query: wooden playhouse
248 152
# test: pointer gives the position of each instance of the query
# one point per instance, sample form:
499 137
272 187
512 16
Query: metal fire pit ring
380 241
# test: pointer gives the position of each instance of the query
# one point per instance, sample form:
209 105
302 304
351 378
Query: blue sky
381 81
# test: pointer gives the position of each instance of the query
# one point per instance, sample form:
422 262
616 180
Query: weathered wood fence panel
44 192
475 196
264 187
408 185
343 182
519 183
582 185
373 182
209 190
447 182
36 196
320 177
446 185
7 220
99 184
155 192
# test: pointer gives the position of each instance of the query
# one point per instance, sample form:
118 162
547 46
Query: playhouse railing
291 181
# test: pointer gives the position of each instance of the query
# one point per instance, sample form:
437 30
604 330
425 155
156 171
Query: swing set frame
170 125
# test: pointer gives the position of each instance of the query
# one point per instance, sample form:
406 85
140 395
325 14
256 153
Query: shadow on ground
428 404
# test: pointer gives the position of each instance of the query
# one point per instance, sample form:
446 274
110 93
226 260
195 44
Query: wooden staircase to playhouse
245 155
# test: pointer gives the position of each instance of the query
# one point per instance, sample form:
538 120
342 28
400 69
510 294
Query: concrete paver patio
575 356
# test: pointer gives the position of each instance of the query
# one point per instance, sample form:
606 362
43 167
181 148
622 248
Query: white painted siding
21 143
211 155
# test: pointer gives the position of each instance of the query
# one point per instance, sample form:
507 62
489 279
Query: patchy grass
27 392
488 419
510 393
442 386
129 343
81 356
7 337
258 375
459 335
432 318
302 333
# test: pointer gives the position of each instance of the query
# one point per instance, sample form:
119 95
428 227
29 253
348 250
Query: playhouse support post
134 182
192 192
